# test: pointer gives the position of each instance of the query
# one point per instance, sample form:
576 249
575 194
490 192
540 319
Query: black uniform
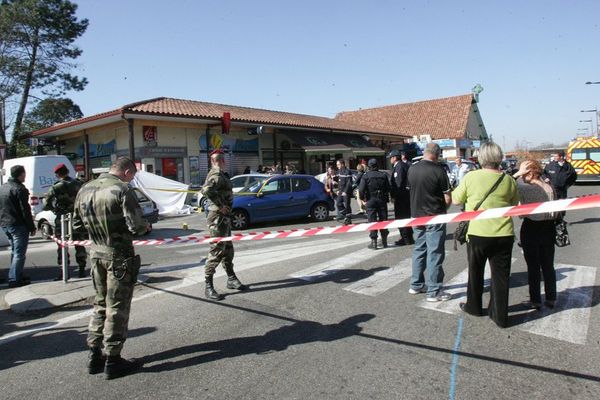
375 189
344 211
561 177
401 196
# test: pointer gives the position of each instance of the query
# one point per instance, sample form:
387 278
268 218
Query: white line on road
383 280
569 320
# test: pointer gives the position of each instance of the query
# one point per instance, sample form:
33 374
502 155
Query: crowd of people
106 210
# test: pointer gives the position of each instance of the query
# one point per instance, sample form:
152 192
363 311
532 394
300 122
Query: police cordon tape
577 203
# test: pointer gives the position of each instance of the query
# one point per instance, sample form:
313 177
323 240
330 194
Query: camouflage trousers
219 225
80 253
114 281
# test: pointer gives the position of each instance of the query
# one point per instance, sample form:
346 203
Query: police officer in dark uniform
374 188
561 174
400 195
344 193
61 200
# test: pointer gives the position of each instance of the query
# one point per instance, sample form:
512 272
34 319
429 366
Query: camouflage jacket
108 209
61 196
217 188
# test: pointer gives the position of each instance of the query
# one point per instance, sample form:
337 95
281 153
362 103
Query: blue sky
322 57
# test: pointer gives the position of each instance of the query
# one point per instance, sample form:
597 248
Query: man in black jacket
374 189
344 193
16 222
561 174
400 195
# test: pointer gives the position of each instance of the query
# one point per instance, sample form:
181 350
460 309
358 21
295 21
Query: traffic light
256 130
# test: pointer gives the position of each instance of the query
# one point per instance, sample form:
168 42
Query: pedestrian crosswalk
568 321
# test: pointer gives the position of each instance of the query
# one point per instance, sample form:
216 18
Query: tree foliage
49 112
37 52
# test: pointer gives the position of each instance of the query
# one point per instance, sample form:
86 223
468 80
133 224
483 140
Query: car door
302 197
273 201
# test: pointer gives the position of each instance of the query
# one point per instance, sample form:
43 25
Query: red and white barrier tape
577 203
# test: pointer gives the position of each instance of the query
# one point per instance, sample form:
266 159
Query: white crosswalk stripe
569 320
382 281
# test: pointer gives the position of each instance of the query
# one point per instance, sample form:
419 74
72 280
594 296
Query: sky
321 57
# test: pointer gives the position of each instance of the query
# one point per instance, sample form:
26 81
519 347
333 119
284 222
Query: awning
312 142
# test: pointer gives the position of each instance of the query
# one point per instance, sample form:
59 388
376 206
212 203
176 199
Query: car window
277 186
300 184
239 181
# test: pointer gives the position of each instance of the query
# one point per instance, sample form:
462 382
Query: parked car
281 197
238 182
44 220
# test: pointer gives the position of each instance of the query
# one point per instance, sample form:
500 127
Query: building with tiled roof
454 122
173 137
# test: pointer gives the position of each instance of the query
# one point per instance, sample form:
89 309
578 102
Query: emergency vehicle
584 155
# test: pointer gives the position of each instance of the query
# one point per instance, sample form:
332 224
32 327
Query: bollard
64 248
185 226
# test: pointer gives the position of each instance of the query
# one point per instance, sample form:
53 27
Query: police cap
372 162
394 153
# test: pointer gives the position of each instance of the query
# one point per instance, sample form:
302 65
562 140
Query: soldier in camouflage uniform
108 209
61 200
218 190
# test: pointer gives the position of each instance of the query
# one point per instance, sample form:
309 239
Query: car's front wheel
320 212
46 230
239 219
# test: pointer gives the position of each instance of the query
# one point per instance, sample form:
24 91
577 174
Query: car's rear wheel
239 219
46 230
320 212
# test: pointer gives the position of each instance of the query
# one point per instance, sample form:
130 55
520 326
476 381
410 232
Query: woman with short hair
537 234
488 239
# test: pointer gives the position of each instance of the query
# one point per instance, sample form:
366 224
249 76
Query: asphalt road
325 318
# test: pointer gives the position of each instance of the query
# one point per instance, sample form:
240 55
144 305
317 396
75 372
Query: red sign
149 133
226 123
80 168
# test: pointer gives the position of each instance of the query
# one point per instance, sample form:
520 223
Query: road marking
384 280
457 288
569 320
344 262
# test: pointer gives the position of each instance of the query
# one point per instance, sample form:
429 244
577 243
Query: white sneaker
441 296
417 291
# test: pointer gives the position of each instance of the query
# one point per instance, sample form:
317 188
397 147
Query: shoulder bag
460 233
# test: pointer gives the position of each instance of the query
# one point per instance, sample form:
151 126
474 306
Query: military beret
59 167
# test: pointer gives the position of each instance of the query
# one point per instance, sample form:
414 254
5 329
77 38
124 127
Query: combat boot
373 245
116 367
96 361
232 281
209 290
384 241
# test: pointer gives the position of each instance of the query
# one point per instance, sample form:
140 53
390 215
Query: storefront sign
445 143
229 143
476 144
98 150
162 151
464 143
150 136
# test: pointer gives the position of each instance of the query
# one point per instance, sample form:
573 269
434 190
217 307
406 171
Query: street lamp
595 111
591 124
592 83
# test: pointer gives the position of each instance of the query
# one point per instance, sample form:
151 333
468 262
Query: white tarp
169 195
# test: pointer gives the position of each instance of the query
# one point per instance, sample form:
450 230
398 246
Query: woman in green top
489 239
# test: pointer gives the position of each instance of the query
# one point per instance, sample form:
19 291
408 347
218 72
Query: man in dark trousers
400 195
17 223
561 174
61 200
344 211
374 189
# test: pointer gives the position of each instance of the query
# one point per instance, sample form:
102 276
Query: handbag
460 233
561 238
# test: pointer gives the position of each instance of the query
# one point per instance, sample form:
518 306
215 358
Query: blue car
281 197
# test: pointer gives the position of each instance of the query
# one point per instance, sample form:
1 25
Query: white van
39 176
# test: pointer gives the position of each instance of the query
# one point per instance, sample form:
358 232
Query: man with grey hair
429 195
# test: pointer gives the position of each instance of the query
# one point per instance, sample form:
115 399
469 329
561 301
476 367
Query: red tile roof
164 106
444 118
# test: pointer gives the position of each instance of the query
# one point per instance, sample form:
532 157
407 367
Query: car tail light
34 201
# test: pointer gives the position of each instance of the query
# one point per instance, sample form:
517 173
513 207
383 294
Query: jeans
18 236
428 253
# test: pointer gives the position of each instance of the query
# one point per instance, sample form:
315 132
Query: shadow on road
54 343
585 221
299 332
